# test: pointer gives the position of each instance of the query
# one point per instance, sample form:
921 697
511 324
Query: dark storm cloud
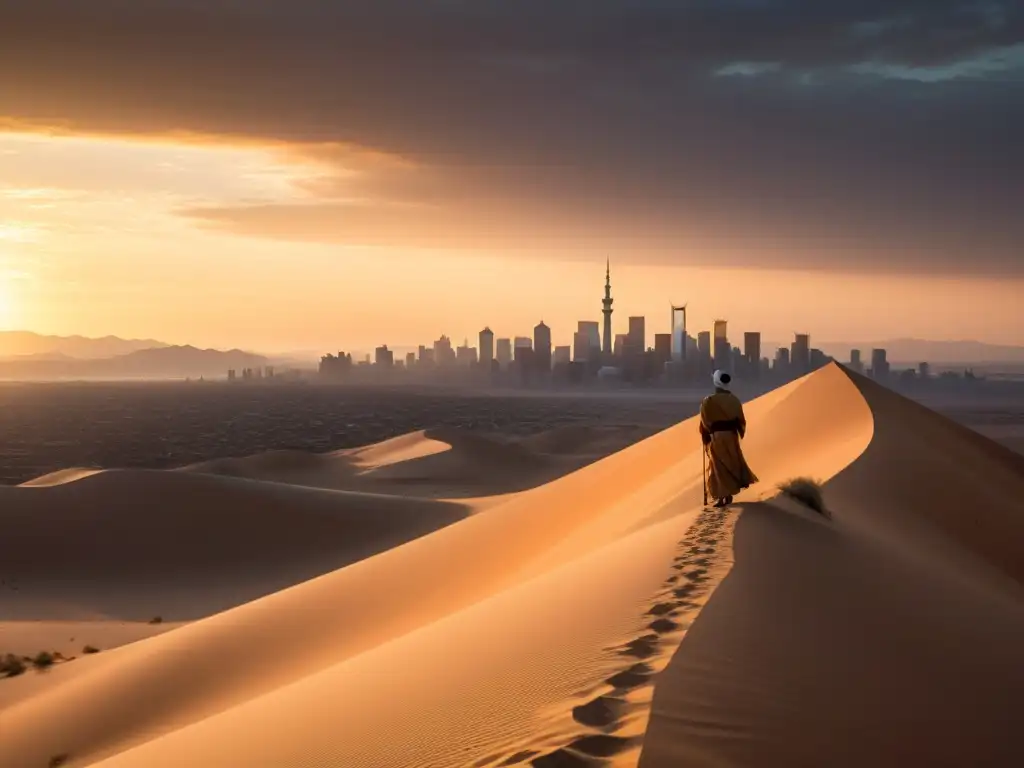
881 134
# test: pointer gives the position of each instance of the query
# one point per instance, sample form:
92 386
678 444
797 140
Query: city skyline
254 174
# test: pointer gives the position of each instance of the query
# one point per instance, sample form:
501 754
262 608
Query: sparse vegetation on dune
43 660
156 620
806 491
11 665
90 649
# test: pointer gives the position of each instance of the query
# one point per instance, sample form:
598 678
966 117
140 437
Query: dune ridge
604 618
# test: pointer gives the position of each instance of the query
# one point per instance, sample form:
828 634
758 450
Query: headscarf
722 380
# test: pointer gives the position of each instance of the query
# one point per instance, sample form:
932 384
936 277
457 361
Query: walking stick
704 470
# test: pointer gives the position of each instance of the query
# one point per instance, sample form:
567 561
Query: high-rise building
678 333
722 350
800 354
384 357
503 352
486 347
542 346
636 339
924 371
606 310
856 364
591 331
619 347
410 359
523 342
663 347
721 331
443 352
562 355
704 345
879 364
781 360
465 355
580 347
752 353
818 359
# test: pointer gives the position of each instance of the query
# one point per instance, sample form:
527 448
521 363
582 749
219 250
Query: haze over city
282 184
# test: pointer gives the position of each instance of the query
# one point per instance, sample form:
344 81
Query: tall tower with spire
607 311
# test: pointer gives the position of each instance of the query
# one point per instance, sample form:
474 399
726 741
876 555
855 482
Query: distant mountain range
25 344
157 363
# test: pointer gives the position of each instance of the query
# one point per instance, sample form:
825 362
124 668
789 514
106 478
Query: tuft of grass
807 492
156 620
43 660
90 649
11 665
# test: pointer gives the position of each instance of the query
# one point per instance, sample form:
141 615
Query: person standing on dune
722 425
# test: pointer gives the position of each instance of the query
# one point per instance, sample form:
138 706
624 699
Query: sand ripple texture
601 618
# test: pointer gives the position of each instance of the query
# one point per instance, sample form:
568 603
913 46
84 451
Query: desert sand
317 614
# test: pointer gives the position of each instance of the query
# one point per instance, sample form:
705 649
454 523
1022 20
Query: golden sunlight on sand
314 614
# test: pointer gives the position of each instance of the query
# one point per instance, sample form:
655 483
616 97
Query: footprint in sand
641 648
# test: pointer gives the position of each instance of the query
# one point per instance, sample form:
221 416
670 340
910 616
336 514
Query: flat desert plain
506 583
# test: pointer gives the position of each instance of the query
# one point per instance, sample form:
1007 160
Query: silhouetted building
384 357
542 346
663 347
636 338
678 333
503 352
782 365
800 356
752 353
331 366
410 360
856 364
879 364
465 355
736 360
704 349
619 347
486 347
562 355
444 355
231 374
818 359
924 371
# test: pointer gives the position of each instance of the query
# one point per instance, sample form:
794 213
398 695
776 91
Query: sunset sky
312 174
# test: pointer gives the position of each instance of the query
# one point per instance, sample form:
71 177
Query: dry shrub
11 665
808 492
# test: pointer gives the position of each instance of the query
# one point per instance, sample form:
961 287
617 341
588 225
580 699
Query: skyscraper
856 364
636 342
879 364
722 348
542 346
486 347
663 347
704 346
443 352
752 353
607 309
503 352
679 334
800 358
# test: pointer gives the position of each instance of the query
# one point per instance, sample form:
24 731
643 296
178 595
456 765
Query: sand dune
600 618
135 544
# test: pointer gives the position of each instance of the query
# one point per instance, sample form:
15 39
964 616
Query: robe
727 470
